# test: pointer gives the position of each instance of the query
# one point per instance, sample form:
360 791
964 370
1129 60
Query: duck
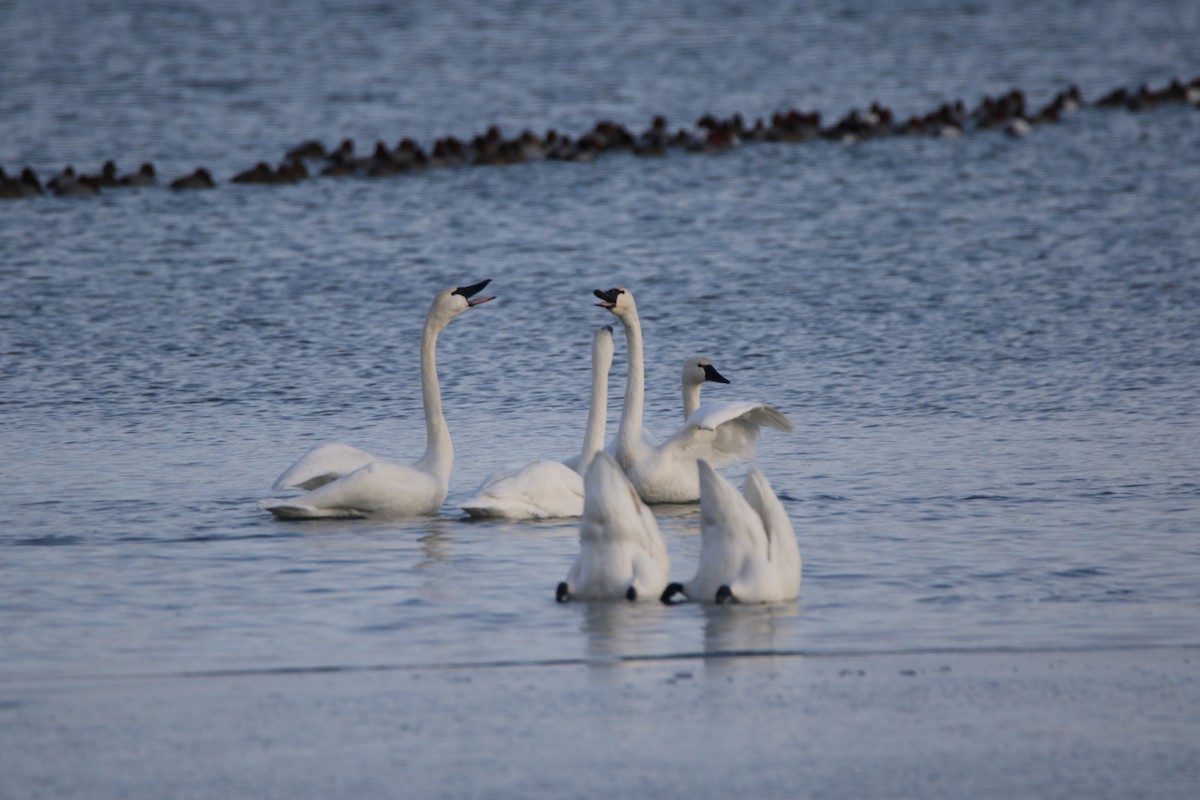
345 482
259 173
201 178
145 176
551 489
748 548
720 433
622 554
312 149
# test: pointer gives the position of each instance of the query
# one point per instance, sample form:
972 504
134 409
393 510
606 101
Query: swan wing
322 464
735 426
730 536
783 551
379 488
539 490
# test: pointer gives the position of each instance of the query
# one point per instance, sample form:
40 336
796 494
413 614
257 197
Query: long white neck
593 439
629 437
439 450
691 398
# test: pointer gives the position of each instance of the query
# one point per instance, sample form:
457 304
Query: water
988 345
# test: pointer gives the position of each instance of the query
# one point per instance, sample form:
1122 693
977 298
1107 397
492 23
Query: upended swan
622 555
716 432
547 489
748 549
343 481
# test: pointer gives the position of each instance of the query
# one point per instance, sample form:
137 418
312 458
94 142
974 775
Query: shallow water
988 345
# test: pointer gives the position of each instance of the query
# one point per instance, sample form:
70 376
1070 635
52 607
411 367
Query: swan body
622 555
343 481
748 549
548 489
716 432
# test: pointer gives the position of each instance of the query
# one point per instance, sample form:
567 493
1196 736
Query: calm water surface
988 345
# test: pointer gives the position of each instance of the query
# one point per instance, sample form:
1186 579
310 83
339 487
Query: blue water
988 344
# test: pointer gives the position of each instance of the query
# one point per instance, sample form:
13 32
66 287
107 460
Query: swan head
618 300
698 369
454 300
602 346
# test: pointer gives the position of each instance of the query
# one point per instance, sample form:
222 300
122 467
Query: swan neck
629 438
691 398
593 439
439 450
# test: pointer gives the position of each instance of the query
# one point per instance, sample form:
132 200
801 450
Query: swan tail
481 506
284 509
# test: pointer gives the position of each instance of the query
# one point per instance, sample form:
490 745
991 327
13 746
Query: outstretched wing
322 464
722 432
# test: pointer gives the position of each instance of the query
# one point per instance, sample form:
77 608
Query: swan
622 554
697 370
748 550
343 481
546 489
718 432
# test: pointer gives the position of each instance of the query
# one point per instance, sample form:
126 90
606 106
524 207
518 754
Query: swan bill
467 292
609 298
711 374
670 592
724 594
562 594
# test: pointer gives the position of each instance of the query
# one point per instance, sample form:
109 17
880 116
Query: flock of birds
748 550
1010 113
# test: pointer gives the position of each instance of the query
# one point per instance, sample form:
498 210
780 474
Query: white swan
697 370
547 489
717 432
347 482
622 554
748 549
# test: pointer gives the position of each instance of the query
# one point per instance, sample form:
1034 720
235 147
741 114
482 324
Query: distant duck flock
1009 113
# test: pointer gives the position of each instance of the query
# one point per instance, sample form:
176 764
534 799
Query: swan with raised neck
717 432
344 481
548 489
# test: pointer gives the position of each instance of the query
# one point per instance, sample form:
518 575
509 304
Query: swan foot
631 594
669 592
561 594
723 594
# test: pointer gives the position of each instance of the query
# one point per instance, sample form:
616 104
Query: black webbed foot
669 592
723 594
631 594
560 594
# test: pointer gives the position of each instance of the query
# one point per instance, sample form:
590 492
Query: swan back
622 552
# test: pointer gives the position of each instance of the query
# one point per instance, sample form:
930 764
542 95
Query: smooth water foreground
988 345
